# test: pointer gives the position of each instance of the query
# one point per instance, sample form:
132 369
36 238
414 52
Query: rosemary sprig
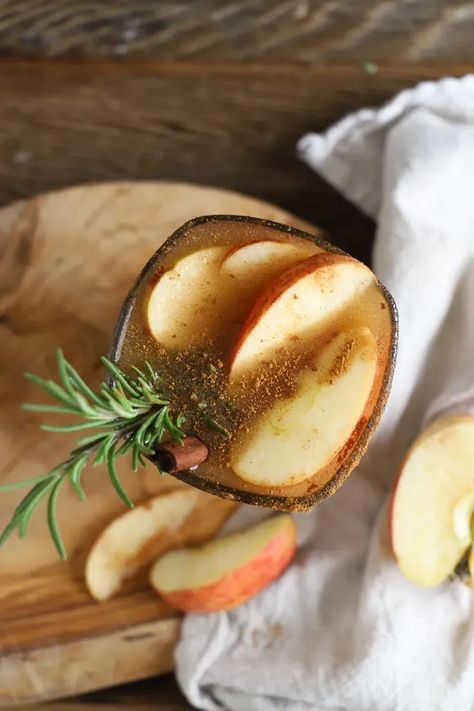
131 415
214 425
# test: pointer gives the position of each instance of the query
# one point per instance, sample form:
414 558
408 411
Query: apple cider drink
276 348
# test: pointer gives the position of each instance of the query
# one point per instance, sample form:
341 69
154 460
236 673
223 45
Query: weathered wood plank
158 694
232 127
312 31
67 261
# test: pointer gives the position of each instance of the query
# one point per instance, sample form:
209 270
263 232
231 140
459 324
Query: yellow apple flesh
260 311
135 538
213 286
228 571
262 260
432 502
183 302
249 268
301 434
296 307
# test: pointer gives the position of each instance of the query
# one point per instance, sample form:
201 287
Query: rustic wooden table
206 92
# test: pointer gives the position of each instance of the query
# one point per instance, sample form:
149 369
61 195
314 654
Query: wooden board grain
243 30
67 261
160 693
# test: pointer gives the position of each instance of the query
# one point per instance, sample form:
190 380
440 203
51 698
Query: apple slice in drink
287 293
185 299
180 516
303 433
250 268
212 286
301 302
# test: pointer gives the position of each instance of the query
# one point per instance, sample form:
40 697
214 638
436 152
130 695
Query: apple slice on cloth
433 502
296 307
263 259
301 434
227 571
179 516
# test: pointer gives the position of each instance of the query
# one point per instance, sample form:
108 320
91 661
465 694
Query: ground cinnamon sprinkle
342 360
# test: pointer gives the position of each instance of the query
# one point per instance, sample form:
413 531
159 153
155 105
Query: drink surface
207 323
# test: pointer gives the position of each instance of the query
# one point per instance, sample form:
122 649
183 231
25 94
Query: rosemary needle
130 415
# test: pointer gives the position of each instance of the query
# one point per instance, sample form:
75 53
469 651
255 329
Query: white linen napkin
342 629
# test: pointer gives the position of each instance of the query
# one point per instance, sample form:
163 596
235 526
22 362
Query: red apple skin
281 284
241 584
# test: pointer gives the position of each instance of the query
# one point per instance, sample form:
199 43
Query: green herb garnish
131 415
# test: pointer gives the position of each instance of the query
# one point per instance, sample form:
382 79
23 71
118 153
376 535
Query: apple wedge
302 434
213 286
296 306
249 268
228 571
185 300
430 517
470 567
179 516
278 294
258 262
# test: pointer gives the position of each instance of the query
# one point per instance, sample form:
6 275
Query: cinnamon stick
174 457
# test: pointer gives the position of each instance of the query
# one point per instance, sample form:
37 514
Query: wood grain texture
312 31
67 261
235 127
158 694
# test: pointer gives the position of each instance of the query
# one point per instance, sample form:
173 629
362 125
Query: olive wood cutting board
67 260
